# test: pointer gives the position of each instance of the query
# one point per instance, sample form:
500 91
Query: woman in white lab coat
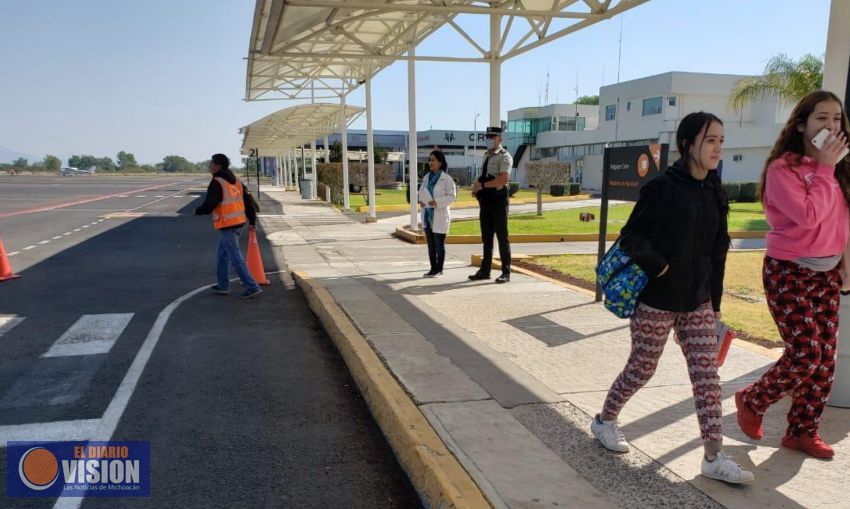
436 195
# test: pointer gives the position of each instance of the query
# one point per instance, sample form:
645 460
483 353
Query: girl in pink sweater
805 192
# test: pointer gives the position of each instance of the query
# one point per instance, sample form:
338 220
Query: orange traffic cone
254 260
5 267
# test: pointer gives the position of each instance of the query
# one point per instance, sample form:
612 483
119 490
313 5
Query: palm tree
784 78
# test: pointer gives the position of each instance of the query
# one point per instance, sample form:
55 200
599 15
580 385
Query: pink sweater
805 208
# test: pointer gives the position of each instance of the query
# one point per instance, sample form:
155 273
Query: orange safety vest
231 210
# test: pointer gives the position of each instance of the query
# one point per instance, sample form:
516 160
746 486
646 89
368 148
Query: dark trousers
493 217
436 249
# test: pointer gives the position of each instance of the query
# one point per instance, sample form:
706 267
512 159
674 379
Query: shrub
733 190
556 190
748 193
513 188
330 174
575 188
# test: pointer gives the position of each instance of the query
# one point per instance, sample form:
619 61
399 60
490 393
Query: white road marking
85 226
76 230
109 422
141 196
28 248
159 196
43 242
57 237
13 253
8 322
90 335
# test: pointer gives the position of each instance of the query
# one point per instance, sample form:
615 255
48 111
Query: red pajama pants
804 304
698 337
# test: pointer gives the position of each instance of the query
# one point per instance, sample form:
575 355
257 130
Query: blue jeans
227 252
436 249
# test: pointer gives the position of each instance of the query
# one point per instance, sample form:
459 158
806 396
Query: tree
82 162
20 163
543 173
336 152
588 99
52 163
175 164
105 164
126 160
380 154
784 78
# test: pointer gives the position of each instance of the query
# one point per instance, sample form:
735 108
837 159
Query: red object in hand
724 339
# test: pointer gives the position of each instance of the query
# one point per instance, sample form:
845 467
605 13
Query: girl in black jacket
677 233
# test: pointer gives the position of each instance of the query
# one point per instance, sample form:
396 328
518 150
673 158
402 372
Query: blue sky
159 77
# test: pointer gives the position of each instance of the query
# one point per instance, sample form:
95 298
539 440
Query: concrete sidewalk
510 375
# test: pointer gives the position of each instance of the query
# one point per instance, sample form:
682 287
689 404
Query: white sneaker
609 435
724 468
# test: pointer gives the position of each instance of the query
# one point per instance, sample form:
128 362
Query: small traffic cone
5 267
254 260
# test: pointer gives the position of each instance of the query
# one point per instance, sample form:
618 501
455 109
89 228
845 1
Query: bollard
327 194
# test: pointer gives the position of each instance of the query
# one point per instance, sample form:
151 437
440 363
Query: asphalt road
244 403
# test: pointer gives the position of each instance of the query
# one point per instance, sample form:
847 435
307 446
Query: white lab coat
445 193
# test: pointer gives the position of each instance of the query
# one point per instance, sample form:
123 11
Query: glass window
611 111
652 106
671 101
629 106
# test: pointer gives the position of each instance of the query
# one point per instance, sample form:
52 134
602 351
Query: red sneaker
748 421
811 445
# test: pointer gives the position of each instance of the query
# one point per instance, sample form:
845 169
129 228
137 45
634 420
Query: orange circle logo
643 165
38 468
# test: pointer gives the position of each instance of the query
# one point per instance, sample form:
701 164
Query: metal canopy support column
370 153
346 202
495 70
313 172
836 73
836 78
294 156
412 142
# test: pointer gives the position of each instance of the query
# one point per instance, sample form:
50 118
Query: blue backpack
621 280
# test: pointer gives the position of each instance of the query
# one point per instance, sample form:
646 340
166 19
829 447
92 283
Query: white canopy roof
329 47
295 126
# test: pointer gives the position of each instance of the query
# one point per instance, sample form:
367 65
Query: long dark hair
439 156
791 140
686 135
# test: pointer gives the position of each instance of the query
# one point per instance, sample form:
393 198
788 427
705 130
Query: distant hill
8 155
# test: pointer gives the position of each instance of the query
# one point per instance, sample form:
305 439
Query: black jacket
214 196
680 221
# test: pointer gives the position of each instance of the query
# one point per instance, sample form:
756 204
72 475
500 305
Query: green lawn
744 307
382 197
742 216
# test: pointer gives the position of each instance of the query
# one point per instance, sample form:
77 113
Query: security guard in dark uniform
491 190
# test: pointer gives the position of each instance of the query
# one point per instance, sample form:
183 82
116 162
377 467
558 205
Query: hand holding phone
832 148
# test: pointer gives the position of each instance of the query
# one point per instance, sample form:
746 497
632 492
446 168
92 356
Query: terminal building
464 150
641 112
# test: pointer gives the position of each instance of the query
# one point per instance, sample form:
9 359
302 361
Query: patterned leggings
698 336
804 304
